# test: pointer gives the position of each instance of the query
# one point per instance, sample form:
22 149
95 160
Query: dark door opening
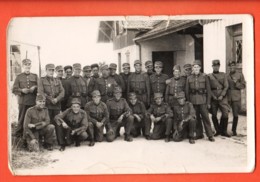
167 58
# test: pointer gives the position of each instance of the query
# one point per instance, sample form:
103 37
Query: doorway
167 58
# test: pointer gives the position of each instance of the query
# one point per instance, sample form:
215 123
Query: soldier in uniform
77 87
98 114
25 87
140 84
118 78
149 68
105 84
236 82
68 71
72 126
53 90
120 115
65 83
158 80
161 115
219 86
59 75
187 71
175 86
95 71
90 81
139 113
184 123
198 93
125 75
37 125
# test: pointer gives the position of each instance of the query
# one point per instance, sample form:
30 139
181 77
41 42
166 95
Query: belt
217 88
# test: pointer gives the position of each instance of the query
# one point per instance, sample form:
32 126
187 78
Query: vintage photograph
131 95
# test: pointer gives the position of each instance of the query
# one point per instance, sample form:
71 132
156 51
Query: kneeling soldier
139 112
184 120
37 125
98 114
120 115
72 125
161 115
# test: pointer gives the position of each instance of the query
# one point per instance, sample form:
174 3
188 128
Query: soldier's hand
166 115
64 125
25 90
220 97
137 117
209 106
120 119
54 101
152 118
157 119
73 132
33 141
32 88
99 124
31 125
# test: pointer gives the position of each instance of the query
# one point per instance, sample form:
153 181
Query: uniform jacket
105 86
185 112
158 83
125 78
159 110
174 87
139 83
119 80
90 82
138 109
117 108
218 84
236 83
25 81
97 113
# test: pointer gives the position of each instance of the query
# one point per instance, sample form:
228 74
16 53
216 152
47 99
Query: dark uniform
65 83
105 87
198 93
40 118
149 64
51 88
236 82
25 100
140 84
118 78
97 113
219 86
163 127
90 83
125 78
187 71
119 108
184 120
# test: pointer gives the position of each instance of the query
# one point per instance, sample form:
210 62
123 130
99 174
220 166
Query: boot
211 139
62 148
148 137
216 125
234 126
224 129
192 141
167 139
77 143
92 143
128 138
49 147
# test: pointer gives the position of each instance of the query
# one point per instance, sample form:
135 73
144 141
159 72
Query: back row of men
134 100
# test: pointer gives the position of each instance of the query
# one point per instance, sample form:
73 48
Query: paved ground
142 156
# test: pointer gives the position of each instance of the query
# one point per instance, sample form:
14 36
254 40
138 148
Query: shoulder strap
215 78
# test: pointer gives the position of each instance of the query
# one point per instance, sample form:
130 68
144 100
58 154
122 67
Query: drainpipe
140 49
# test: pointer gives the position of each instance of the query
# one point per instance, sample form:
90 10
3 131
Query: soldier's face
158 100
27 67
77 72
112 71
187 71
59 73
133 100
40 103
96 99
138 68
75 108
95 71
50 72
176 74
149 68
196 69
181 101
126 70
118 95
87 73
158 69
105 73
68 72
232 68
215 67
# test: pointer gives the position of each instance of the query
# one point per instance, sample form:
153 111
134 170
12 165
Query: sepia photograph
131 95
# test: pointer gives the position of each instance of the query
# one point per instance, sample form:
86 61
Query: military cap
75 101
215 62
148 63
117 90
50 66
158 95
126 65
94 66
137 62
113 66
181 95
95 93
58 68
40 97
131 95
26 61
87 68
177 67
197 62
67 67
231 62
158 63
186 66
104 67
77 66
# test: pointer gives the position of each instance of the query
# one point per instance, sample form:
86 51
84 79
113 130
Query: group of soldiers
73 108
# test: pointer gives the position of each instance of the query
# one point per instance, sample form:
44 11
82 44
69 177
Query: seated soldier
139 112
120 115
98 114
184 120
72 125
37 125
161 115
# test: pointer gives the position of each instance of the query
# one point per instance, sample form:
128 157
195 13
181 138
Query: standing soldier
184 123
198 93
175 86
149 68
90 81
77 87
105 84
236 82
95 71
120 115
68 71
219 86
25 87
72 125
118 78
140 84
139 113
37 125
187 71
52 89
161 115
158 80
125 75
59 73
98 114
